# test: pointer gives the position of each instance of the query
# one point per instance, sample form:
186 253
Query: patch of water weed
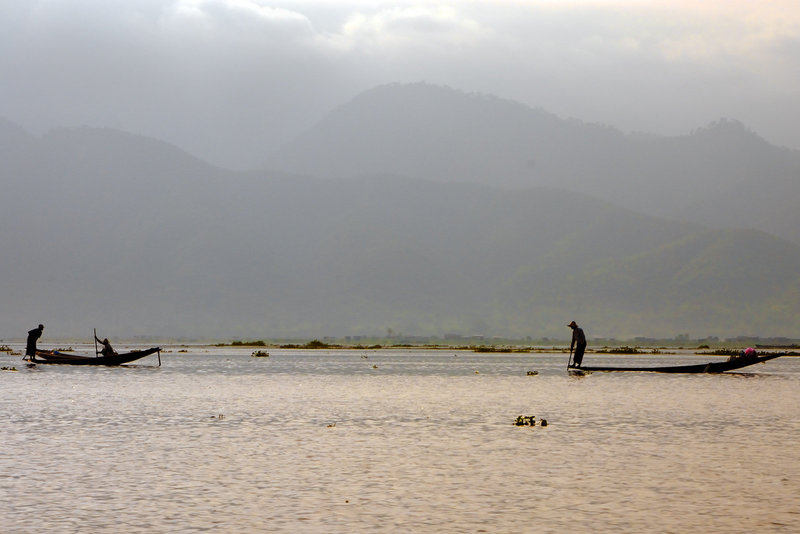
313 344
720 352
254 343
528 420
503 349
620 350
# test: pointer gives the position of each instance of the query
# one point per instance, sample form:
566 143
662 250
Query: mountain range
135 237
722 175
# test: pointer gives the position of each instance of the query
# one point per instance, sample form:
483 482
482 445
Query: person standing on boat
33 337
108 350
578 342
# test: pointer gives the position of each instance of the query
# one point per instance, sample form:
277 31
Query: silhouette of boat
711 367
58 357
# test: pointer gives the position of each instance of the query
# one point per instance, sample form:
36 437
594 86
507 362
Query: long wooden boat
75 359
711 367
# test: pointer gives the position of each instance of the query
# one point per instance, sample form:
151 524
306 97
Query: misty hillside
721 175
134 237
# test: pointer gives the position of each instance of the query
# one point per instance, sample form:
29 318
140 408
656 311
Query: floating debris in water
528 420
332 425
260 354
8 368
533 373
525 420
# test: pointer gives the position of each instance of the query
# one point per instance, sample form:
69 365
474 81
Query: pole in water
569 361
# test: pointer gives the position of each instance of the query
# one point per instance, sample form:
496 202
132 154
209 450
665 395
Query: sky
232 80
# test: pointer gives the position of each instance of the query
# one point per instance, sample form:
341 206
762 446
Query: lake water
396 441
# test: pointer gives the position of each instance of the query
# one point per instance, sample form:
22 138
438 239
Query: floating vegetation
484 348
621 350
8 368
529 420
5 348
503 349
260 354
720 352
255 343
532 373
313 344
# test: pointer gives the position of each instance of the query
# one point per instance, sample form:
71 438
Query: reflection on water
392 441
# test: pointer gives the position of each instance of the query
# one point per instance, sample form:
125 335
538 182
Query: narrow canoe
711 367
74 359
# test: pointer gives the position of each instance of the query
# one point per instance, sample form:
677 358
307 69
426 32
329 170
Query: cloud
235 21
232 79
419 27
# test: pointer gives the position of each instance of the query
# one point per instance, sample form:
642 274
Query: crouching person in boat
747 354
108 350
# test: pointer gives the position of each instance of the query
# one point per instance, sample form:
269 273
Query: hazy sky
229 80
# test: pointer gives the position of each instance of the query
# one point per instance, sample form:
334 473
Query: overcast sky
230 80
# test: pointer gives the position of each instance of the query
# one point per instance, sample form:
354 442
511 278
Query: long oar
95 343
569 361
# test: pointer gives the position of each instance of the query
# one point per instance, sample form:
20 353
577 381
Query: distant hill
721 175
134 237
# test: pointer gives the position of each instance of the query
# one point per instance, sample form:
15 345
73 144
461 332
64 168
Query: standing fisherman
33 337
579 342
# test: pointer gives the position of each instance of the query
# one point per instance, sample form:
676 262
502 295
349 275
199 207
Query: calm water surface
396 441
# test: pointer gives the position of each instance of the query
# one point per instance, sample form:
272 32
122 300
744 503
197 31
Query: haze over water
396 441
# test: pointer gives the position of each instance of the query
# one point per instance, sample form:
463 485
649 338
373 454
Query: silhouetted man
578 342
33 337
108 350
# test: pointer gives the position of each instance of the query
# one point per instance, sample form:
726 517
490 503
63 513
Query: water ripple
215 441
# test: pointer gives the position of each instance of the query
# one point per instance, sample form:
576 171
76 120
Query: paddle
95 343
569 361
